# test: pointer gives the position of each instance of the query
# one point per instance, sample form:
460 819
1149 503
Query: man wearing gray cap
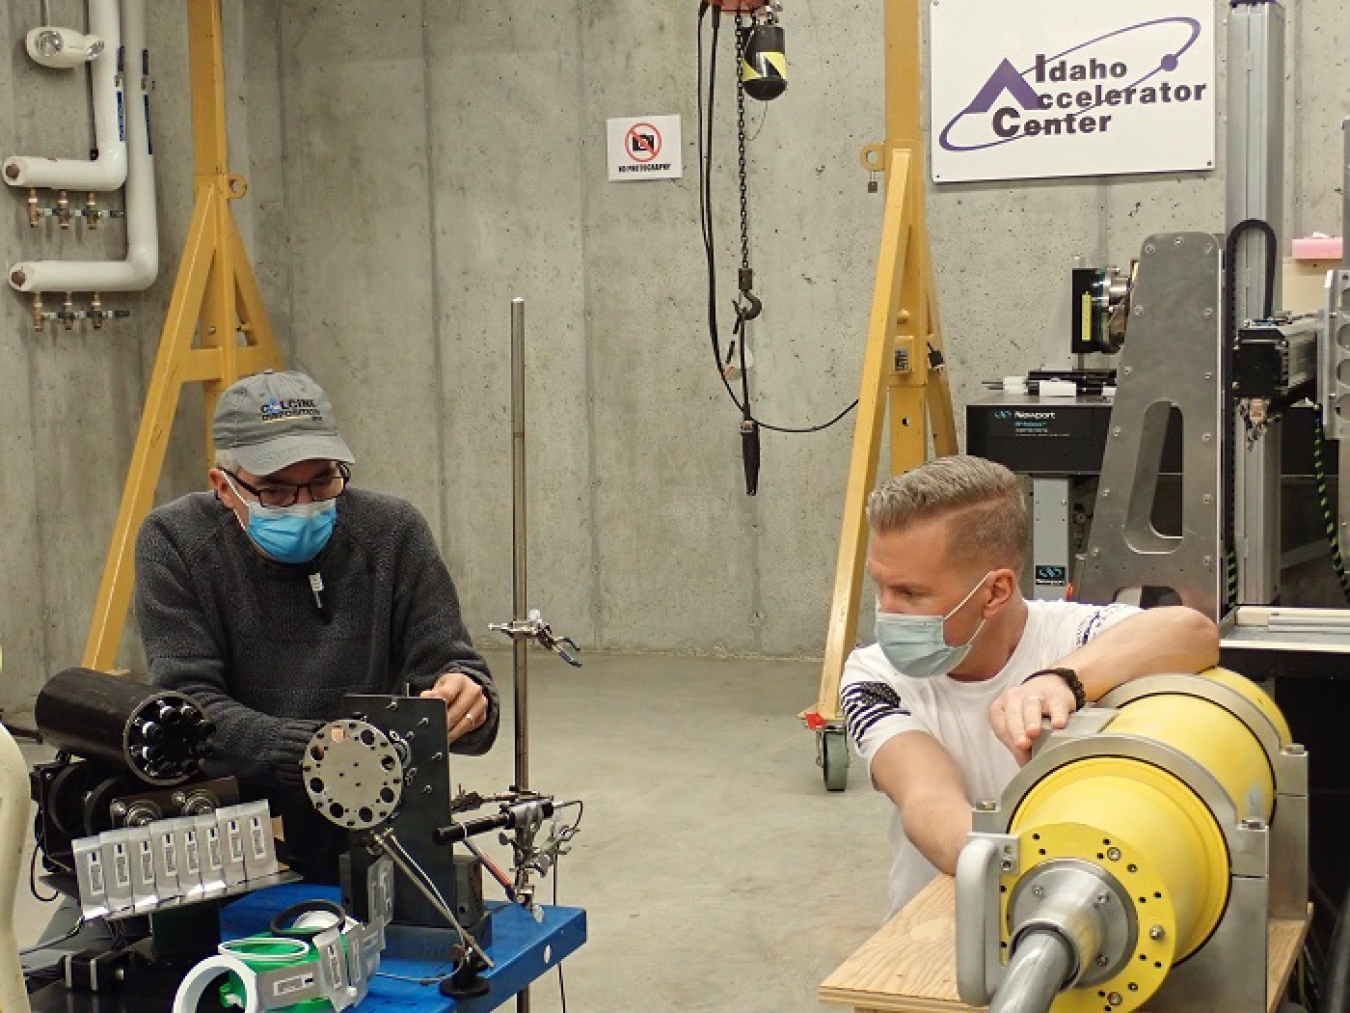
280 590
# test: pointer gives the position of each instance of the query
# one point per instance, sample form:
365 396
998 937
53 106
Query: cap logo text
278 409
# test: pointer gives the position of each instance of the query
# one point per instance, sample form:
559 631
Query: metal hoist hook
747 305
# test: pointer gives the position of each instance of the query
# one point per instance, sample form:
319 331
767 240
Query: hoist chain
748 306
740 140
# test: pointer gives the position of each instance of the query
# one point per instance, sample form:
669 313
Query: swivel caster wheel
832 755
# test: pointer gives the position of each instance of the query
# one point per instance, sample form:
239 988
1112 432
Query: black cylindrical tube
155 733
764 68
505 819
457 832
750 455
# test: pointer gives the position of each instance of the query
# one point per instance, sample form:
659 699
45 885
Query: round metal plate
1115 909
352 774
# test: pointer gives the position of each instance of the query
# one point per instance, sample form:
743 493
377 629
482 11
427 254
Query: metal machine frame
1186 348
1255 185
1172 361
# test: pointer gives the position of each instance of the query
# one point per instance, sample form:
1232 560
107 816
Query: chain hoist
747 305
761 73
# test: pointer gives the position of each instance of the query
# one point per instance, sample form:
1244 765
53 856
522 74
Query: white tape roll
208 973
317 920
265 949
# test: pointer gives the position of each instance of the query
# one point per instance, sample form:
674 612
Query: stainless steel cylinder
1036 971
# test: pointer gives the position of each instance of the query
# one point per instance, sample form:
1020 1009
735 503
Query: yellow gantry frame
902 330
214 296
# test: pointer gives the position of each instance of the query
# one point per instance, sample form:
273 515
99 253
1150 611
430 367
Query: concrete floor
716 871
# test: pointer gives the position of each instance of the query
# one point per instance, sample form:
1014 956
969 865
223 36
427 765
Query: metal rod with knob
526 625
519 597
519 547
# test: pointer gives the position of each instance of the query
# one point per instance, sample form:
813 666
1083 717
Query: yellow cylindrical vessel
1159 843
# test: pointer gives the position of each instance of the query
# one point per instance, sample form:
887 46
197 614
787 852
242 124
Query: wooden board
909 966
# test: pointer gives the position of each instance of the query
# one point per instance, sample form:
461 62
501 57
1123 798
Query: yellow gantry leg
904 356
216 298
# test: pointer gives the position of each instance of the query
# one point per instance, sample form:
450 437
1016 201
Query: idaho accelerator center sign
1050 88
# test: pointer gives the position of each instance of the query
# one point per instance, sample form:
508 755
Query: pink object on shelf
1317 248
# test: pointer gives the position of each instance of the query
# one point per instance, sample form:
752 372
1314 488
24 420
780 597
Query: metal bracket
982 861
534 628
1171 362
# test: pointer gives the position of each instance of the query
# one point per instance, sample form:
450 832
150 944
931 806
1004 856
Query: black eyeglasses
284 494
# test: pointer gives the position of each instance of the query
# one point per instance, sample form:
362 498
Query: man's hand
466 705
1016 715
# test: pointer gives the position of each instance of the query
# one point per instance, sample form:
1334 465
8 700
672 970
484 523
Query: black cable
1321 898
705 161
32 880
557 864
1336 991
47 944
704 191
1324 499
562 985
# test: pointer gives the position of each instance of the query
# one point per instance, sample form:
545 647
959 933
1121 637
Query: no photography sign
644 147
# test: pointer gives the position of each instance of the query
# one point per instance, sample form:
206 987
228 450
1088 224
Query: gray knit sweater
246 637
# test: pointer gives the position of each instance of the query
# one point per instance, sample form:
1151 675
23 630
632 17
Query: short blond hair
982 501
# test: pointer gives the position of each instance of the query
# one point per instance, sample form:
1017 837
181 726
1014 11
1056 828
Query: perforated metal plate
353 774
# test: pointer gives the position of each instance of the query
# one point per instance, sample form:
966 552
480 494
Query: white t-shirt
880 703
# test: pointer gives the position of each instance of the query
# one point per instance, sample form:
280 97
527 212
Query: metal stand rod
519 597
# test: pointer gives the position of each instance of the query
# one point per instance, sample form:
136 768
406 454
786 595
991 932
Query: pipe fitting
108 171
140 268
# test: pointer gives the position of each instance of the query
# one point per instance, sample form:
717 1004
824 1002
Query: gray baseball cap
272 420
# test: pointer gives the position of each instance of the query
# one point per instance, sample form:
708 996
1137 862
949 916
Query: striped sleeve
865 704
873 714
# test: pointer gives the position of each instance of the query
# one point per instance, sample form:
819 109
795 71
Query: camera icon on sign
642 144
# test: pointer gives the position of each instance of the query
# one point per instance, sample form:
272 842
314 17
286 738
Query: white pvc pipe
108 170
141 266
13 834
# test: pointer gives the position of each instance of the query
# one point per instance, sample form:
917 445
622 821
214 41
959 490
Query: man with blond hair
944 706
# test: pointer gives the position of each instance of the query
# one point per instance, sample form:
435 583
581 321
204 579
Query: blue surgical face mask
916 645
293 534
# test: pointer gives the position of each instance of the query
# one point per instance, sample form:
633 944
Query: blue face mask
293 534
916 645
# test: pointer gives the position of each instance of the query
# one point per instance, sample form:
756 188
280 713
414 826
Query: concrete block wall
414 164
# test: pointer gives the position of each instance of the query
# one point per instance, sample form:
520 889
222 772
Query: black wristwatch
1070 678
